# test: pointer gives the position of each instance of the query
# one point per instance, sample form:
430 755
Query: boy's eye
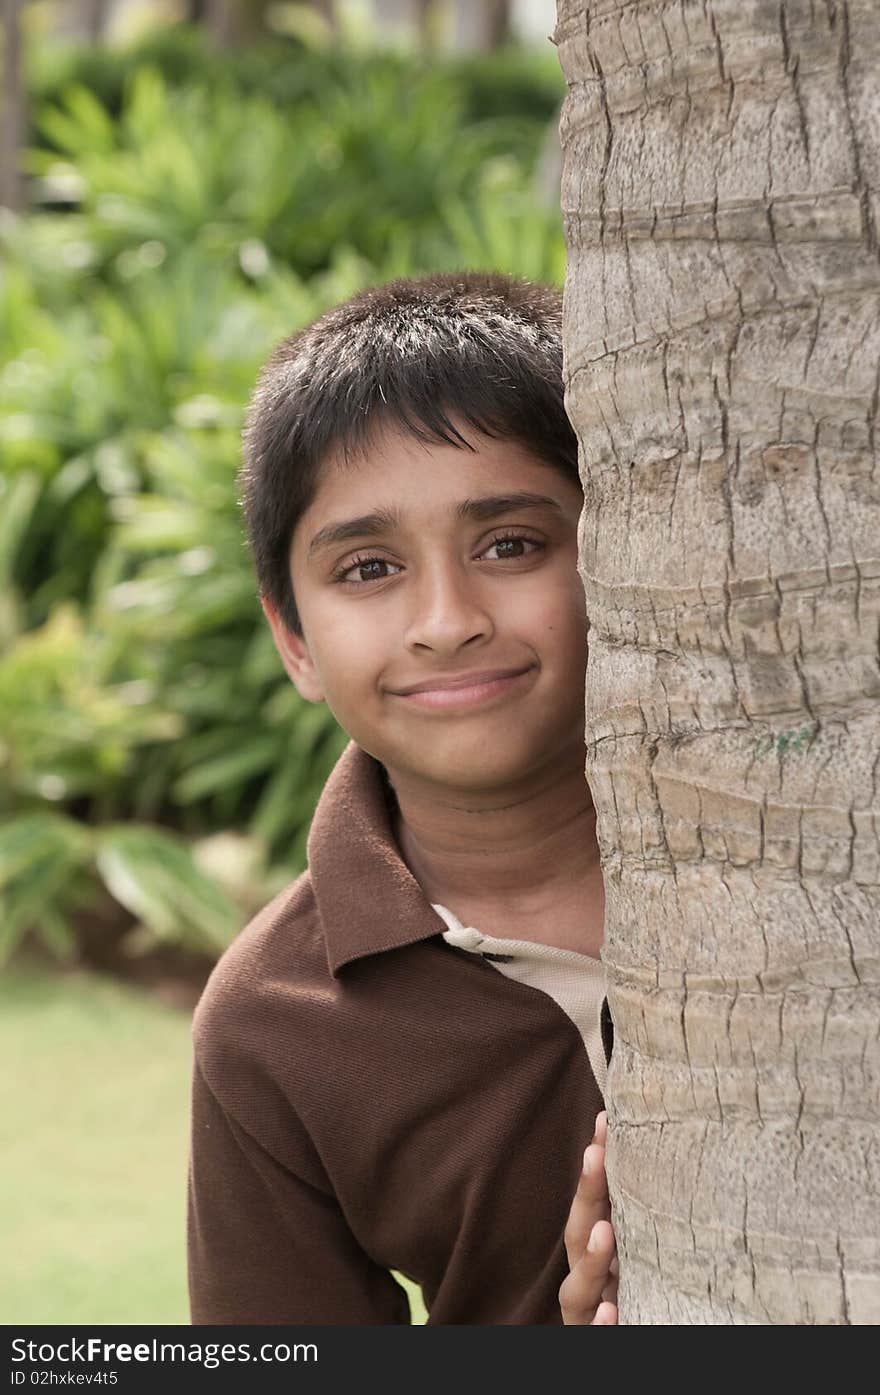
366 569
511 546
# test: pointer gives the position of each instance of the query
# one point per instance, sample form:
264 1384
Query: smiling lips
463 690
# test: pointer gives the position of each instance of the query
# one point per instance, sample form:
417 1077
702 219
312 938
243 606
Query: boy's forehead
393 463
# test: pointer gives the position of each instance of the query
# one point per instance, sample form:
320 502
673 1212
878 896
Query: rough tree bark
721 192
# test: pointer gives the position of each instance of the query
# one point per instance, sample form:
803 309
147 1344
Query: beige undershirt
575 981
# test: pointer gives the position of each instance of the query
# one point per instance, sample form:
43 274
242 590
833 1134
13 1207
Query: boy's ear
294 654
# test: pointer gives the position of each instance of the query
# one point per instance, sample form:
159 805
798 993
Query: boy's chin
490 764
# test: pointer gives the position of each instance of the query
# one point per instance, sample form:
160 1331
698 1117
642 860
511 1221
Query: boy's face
417 565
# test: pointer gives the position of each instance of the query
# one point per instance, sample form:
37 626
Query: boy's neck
523 868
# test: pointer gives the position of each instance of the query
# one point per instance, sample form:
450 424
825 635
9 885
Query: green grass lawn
94 1103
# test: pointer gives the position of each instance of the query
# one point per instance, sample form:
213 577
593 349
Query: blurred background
181 186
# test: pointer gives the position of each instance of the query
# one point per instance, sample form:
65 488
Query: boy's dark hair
411 354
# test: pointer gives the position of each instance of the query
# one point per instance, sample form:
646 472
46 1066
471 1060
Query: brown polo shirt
369 1097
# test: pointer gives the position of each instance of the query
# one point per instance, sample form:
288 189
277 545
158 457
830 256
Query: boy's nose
448 612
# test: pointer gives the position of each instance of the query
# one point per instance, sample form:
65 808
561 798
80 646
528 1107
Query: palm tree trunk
327 10
222 19
82 20
497 23
721 193
13 113
480 26
95 15
424 20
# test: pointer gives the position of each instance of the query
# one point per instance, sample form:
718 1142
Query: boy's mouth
465 689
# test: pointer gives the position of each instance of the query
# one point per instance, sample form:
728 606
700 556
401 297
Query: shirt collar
368 900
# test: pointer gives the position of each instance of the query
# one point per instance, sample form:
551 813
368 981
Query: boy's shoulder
282 945
281 986
279 952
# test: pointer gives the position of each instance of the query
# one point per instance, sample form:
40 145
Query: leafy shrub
199 166
521 86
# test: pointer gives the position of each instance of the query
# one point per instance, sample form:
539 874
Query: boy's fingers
580 1294
601 1242
588 1295
590 1203
606 1315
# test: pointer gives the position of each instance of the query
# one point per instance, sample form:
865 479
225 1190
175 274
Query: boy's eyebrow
491 505
368 526
371 525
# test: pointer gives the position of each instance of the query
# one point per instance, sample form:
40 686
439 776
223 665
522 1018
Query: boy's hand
588 1296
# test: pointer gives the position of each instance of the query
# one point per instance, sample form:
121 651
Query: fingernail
593 1243
586 1163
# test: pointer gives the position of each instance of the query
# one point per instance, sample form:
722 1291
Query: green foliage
292 71
195 167
190 211
279 68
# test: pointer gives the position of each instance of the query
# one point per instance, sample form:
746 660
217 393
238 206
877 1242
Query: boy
398 1061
